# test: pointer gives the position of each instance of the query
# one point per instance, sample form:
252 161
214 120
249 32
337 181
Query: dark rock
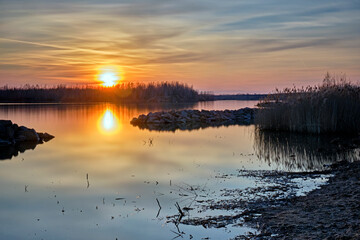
134 121
183 114
45 136
5 123
25 134
14 139
4 143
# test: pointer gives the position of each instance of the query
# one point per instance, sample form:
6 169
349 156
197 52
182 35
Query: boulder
135 121
13 134
5 123
183 114
142 117
5 143
25 134
14 139
45 136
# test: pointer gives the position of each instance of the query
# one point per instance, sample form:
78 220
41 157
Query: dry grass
333 107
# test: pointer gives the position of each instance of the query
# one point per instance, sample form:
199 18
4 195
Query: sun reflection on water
108 123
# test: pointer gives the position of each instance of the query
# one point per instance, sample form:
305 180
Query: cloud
230 36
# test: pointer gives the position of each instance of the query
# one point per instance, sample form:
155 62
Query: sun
109 76
109 79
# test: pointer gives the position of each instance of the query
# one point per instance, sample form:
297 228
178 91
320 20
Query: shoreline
330 212
280 211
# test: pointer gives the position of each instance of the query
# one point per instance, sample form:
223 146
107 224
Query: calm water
67 188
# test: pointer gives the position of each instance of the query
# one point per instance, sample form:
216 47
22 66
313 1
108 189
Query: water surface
99 178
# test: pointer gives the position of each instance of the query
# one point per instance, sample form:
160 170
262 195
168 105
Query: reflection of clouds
108 123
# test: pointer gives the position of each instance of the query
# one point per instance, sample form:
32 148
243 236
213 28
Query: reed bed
173 92
332 107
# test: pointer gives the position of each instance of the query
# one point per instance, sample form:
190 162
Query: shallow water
99 178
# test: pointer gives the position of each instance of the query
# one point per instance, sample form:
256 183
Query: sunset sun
109 76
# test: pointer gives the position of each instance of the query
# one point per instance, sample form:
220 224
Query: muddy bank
331 212
193 119
15 139
278 208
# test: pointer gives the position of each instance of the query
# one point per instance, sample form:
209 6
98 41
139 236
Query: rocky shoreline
193 119
14 138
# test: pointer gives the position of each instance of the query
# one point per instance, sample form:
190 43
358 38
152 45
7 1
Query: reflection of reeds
292 151
125 92
331 107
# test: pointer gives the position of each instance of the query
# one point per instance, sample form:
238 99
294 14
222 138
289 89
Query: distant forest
247 97
164 92
126 92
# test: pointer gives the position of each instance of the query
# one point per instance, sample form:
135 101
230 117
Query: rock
25 134
4 129
183 114
134 121
13 134
142 117
5 123
15 139
152 117
5 143
45 136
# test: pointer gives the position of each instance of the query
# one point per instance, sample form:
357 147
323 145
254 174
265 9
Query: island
193 119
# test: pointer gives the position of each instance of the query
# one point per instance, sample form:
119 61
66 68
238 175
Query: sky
224 46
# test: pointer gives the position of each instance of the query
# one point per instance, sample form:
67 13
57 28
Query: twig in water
177 235
181 213
26 188
87 180
157 200
179 208
150 142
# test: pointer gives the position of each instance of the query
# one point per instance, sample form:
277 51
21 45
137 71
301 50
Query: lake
102 178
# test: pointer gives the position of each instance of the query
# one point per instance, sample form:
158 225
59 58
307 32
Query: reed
332 107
